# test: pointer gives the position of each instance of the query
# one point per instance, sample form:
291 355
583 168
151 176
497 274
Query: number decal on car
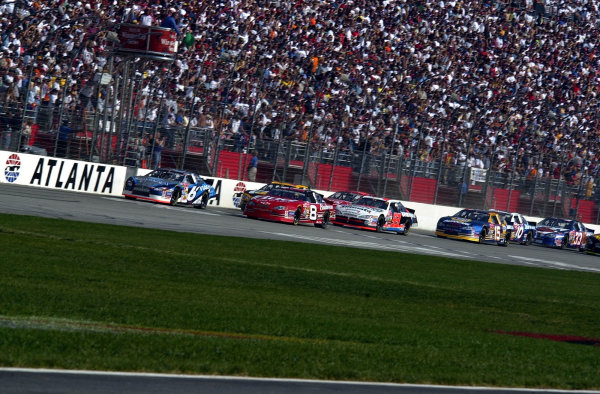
192 193
578 238
313 212
396 219
518 231
497 233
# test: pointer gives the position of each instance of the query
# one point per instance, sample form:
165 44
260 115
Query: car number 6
192 193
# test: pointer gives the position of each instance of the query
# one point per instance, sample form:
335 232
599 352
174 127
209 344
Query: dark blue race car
561 233
474 225
593 245
168 186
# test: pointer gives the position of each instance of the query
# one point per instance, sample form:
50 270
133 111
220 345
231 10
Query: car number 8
313 212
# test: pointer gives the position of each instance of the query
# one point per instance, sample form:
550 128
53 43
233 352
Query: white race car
379 214
519 229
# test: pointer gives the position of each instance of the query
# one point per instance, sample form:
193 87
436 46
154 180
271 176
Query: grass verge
91 296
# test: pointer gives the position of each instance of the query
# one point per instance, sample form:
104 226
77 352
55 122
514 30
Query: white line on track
367 244
557 264
250 379
161 206
413 234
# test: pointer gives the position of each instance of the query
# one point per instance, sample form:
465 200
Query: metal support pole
390 159
309 141
439 175
186 138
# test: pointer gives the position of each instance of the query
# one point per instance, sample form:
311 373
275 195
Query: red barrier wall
342 178
585 211
500 200
423 190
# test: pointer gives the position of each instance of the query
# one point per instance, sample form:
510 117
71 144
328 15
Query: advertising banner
147 40
58 173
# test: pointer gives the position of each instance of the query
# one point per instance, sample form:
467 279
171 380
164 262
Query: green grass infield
90 296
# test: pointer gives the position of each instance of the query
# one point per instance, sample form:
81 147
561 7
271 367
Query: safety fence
568 192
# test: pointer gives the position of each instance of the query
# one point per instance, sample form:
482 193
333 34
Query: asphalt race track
34 201
25 200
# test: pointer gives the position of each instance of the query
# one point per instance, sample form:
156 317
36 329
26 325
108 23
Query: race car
344 198
561 233
291 205
519 229
592 245
248 194
474 225
169 186
379 214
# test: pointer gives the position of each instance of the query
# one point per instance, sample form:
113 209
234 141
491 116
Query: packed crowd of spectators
503 85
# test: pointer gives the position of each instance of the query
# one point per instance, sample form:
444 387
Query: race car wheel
297 217
529 239
203 201
482 235
174 197
506 240
565 242
380 223
325 221
407 227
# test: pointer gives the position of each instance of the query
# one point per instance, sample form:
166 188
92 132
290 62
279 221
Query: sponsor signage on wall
65 174
150 40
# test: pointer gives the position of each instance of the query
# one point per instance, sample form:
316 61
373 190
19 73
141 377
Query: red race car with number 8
291 205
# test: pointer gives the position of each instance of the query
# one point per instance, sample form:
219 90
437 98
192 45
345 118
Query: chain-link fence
93 135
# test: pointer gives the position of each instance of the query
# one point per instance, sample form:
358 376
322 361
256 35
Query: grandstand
489 104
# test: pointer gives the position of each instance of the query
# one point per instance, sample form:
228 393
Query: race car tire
380 223
565 242
482 235
529 239
407 227
242 207
174 197
506 241
297 217
203 201
325 221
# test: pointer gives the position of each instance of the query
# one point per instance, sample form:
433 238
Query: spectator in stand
169 20
253 167
474 77
64 138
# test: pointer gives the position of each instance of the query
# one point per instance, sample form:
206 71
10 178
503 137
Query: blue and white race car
519 229
168 186
562 233
474 225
